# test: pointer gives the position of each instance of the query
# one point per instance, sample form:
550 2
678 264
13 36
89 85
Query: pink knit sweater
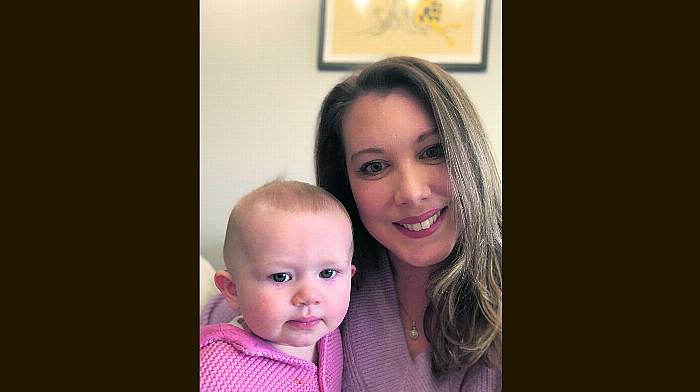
231 359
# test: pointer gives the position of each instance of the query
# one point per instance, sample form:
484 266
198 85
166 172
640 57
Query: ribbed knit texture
375 350
231 359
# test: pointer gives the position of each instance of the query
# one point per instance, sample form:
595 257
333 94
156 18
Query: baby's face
294 285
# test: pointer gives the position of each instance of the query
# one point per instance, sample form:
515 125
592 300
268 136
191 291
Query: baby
288 252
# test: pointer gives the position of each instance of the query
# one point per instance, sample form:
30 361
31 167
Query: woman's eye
327 273
373 167
281 277
433 152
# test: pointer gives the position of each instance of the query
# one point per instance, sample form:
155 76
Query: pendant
414 332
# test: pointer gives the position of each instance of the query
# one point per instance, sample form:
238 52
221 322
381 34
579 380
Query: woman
401 146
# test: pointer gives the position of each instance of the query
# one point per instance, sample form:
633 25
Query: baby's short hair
285 195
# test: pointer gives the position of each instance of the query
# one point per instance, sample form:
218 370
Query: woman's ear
224 281
353 268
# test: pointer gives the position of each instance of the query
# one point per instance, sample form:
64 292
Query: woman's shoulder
482 377
216 311
378 278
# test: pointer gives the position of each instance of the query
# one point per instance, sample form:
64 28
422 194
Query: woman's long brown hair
463 321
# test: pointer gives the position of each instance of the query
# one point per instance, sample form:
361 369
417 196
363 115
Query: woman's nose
306 295
412 187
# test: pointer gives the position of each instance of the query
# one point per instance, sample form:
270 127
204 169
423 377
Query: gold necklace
413 333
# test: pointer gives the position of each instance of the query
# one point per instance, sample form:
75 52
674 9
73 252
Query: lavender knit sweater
375 353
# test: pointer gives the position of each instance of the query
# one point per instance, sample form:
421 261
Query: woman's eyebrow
426 134
371 150
377 150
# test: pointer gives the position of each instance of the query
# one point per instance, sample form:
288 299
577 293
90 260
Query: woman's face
398 176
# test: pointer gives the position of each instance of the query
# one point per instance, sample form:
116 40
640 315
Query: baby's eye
327 273
433 152
281 277
373 168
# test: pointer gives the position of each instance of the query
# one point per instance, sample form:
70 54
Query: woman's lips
415 229
418 219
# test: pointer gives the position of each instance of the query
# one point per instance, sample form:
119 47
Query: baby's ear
224 281
352 268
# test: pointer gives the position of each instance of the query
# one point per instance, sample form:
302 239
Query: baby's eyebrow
332 262
274 265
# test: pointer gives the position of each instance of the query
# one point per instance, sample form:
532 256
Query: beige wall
260 95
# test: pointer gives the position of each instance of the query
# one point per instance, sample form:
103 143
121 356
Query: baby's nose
306 295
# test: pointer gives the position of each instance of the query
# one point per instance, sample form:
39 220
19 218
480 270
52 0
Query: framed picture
452 33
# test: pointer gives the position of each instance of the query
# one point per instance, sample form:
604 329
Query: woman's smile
421 226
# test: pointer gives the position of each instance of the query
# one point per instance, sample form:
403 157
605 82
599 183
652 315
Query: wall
260 95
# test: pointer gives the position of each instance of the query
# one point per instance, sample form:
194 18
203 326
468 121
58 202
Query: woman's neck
410 283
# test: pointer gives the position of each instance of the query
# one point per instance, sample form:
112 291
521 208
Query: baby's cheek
263 302
261 305
265 297
341 308
267 310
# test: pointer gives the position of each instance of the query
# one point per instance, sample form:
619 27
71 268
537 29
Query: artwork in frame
452 33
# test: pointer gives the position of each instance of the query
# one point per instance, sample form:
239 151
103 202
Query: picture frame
451 33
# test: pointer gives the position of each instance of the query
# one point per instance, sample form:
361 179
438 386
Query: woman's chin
419 259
